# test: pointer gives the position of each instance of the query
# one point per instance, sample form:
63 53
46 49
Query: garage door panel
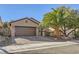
22 31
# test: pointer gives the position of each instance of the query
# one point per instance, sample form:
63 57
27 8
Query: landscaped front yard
71 49
42 45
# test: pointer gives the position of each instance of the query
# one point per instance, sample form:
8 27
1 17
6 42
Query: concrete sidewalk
36 46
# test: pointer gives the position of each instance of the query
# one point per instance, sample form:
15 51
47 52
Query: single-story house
24 27
28 27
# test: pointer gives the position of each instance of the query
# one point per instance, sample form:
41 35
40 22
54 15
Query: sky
10 12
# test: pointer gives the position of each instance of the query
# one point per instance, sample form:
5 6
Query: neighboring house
24 27
48 32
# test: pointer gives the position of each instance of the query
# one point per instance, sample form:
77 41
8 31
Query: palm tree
62 19
54 19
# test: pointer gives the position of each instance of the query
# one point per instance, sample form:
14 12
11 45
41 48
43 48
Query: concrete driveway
32 39
35 39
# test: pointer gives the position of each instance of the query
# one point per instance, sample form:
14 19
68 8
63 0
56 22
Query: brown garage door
25 31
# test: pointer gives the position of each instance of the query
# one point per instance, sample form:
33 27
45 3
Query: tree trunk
57 32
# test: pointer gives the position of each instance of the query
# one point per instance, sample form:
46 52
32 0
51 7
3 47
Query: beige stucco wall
23 23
